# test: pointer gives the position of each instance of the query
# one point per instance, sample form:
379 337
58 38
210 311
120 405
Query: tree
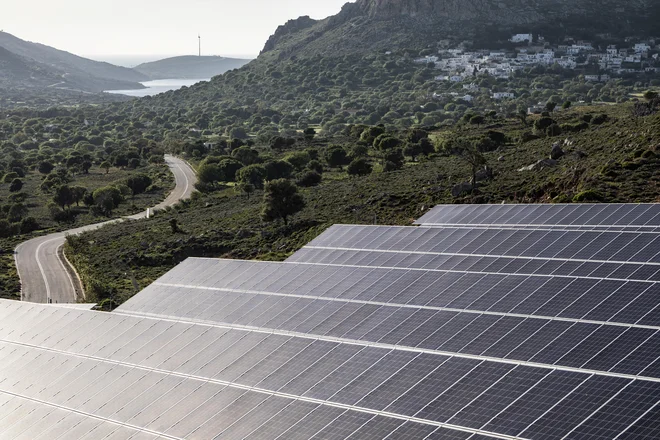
45 167
238 133
246 155
229 167
299 159
566 105
28 225
106 166
468 152
477 120
16 185
246 188
281 200
522 116
86 165
550 106
278 169
253 174
336 156
63 196
309 134
209 173
106 199
17 212
386 142
359 167
78 193
278 143
650 95
174 226
413 150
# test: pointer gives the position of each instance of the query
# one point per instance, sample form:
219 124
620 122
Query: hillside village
595 63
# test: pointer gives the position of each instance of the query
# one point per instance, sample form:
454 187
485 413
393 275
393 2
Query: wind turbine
199 37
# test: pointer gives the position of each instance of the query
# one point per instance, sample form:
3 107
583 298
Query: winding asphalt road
44 278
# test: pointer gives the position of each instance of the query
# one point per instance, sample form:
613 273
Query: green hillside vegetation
609 154
67 173
266 99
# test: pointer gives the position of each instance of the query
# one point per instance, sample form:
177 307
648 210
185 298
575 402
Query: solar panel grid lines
587 215
72 411
564 305
533 332
445 353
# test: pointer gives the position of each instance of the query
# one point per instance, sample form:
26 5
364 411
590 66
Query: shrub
9 177
315 165
29 224
599 119
16 185
359 167
229 168
278 169
553 130
588 196
309 178
575 127
138 183
336 156
209 173
299 159
7 229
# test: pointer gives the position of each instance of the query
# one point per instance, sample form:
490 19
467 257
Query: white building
642 48
521 38
467 98
427 60
591 78
503 95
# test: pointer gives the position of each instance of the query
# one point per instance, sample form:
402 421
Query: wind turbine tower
199 37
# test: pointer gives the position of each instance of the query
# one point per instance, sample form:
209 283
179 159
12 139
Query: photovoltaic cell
533 321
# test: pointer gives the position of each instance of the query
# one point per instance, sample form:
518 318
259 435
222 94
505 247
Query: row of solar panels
368 333
595 216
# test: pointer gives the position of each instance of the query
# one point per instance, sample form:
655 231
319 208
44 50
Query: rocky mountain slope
191 67
368 25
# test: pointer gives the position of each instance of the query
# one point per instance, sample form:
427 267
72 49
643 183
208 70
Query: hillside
66 70
614 158
15 68
189 67
370 25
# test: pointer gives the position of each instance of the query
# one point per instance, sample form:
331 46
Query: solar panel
599 254
457 332
629 216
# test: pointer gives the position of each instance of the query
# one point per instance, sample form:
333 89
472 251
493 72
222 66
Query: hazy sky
155 27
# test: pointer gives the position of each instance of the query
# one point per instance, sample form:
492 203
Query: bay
158 86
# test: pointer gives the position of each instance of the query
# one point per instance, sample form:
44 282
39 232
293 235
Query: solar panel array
595 216
367 333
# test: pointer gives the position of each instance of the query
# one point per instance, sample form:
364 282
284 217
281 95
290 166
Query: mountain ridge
369 25
189 67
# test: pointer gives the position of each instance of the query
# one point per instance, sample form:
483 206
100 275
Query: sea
158 86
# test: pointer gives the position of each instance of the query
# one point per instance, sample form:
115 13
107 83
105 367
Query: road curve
44 277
